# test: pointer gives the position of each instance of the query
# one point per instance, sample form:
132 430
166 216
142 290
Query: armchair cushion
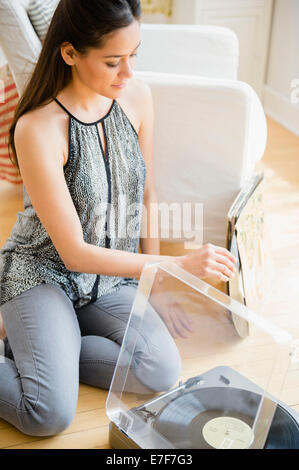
7 108
20 49
207 51
18 39
40 13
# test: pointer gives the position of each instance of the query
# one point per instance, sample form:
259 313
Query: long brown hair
84 24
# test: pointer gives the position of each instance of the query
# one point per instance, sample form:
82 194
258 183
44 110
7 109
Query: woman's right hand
209 261
2 329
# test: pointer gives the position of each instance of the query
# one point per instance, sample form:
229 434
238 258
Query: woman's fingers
183 318
166 313
225 263
177 321
177 328
225 270
168 322
224 252
172 329
219 275
209 261
220 259
219 271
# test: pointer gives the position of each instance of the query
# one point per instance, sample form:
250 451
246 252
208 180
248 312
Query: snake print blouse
107 190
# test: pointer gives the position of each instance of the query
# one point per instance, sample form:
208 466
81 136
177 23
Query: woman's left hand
2 329
170 311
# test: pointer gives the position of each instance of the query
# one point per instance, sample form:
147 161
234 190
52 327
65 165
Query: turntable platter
219 417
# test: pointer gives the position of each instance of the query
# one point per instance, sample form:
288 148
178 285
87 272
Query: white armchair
207 51
210 128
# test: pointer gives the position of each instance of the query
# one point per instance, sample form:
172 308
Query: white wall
283 64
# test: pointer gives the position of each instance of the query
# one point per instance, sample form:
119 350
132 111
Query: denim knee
158 369
46 419
167 371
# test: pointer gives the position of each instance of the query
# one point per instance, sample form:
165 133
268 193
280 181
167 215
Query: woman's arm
40 159
150 244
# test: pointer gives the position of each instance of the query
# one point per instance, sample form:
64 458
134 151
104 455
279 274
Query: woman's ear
68 53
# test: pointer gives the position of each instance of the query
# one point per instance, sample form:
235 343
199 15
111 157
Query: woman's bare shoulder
45 117
50 123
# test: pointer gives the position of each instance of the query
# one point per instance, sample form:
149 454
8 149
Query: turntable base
217 412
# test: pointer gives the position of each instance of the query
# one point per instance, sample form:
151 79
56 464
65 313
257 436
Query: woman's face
106 70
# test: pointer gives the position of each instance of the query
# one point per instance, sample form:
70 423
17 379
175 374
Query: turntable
228 391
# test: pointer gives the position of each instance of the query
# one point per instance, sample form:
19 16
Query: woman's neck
83 100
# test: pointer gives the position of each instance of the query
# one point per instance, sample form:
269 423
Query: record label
225 432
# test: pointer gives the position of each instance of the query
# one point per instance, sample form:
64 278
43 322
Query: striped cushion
8 102
40 13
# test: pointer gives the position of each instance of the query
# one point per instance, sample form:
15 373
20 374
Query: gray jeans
55 346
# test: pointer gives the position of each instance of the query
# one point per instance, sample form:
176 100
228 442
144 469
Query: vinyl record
221 417
284 432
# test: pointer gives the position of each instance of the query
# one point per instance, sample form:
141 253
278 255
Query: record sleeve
185 378
245 240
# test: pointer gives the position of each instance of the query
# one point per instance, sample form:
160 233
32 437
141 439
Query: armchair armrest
208 136
207 51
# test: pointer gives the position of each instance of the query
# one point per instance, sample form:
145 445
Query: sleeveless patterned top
107 191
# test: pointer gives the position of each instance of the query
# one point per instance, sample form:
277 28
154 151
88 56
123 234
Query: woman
82 139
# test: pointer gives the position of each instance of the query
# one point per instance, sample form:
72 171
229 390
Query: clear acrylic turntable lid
185 378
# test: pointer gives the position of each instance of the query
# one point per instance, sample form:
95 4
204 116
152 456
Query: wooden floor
89 429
